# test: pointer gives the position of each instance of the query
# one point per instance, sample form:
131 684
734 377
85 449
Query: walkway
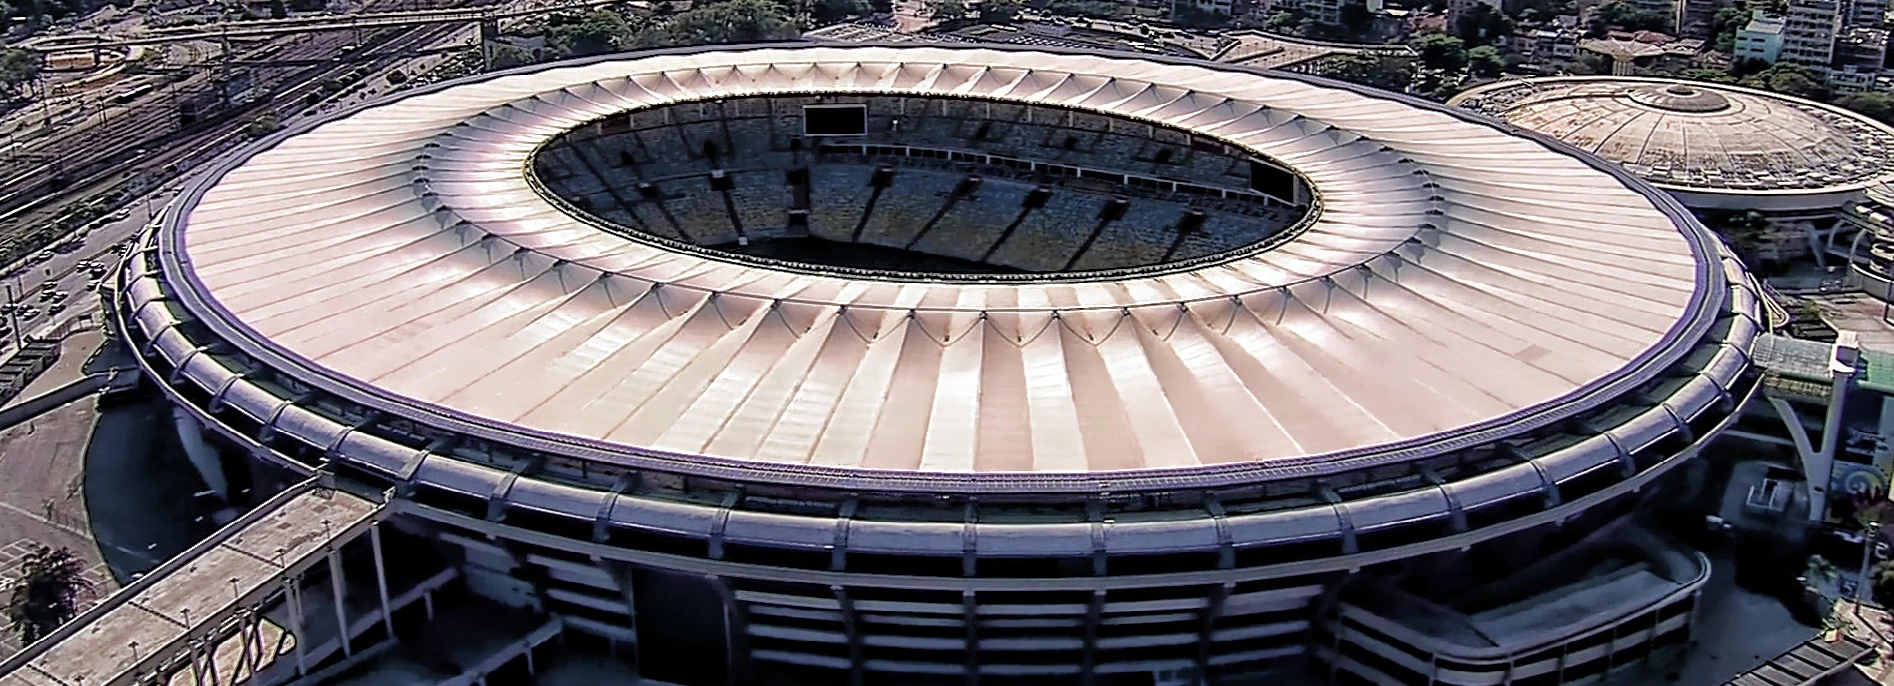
1807 664
159 624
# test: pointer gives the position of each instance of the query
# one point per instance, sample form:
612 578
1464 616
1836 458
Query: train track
153 144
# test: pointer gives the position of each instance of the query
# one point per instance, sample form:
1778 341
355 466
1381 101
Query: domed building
1717 148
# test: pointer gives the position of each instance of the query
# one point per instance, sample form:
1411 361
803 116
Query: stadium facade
1212 372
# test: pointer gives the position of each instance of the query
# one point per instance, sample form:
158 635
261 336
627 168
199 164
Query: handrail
125 594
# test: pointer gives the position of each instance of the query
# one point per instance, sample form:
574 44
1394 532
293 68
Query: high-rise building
1867 12
1809 33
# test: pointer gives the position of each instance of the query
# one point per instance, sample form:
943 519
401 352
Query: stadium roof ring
1461 284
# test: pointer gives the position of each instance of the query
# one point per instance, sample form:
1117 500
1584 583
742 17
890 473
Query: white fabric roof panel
469 295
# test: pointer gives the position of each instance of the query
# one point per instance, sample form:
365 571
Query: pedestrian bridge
211 611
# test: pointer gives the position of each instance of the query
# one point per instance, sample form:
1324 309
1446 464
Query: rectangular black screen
834 120
1270 180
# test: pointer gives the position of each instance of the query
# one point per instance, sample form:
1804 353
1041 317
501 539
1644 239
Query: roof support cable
1350 545
1095 513
1628 464
970 611
151 342
217 396
852 631
1547 485
496 499
722 521
844 518
369 417
602 519
1226 539
1207 630
970 538
1456 513
1094 616
177 371
738 628
1683 427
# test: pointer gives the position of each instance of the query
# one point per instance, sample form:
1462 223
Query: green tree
1483 25
597 32
1486 61
1788 79
999 11
1710 75
17 68
1385 73
946 10
731 21
505 55
1355 17
47 592
833 11
261 126
1627 16
1441 51
1876 105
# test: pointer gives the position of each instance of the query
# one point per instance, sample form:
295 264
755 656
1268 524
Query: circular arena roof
1698 136
1457 279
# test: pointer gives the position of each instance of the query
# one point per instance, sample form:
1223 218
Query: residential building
1761 39
1809 33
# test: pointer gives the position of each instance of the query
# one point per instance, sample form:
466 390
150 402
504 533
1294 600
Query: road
62 271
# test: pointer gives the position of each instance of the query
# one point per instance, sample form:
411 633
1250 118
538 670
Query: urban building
1760 39
1717 148
939 364
1810 29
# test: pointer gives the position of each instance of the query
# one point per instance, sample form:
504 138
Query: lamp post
1868 539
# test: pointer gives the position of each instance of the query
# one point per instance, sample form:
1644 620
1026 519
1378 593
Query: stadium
953 364
1802 165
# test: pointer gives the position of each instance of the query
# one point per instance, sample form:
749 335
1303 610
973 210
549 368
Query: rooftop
1699 136
452 291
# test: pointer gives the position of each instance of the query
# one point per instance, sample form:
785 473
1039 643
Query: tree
999 11
1486 61
946 10
1788 79
833 11
1441 51
278 10
261 126
1483 25
1710 75
47 592
597 32
1876 105
1355 17
1385 73
1627 16
17 68
732 21
505 55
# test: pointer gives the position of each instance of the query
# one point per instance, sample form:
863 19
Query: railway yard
146 114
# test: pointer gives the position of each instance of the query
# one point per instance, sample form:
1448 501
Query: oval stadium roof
1459 277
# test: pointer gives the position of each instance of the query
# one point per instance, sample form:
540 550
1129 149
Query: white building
1761 39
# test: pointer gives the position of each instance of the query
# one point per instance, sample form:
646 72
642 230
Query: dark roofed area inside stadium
934 188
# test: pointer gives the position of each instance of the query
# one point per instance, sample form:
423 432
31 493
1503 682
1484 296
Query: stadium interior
940 187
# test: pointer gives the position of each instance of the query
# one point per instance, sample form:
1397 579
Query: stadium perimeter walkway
154 624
